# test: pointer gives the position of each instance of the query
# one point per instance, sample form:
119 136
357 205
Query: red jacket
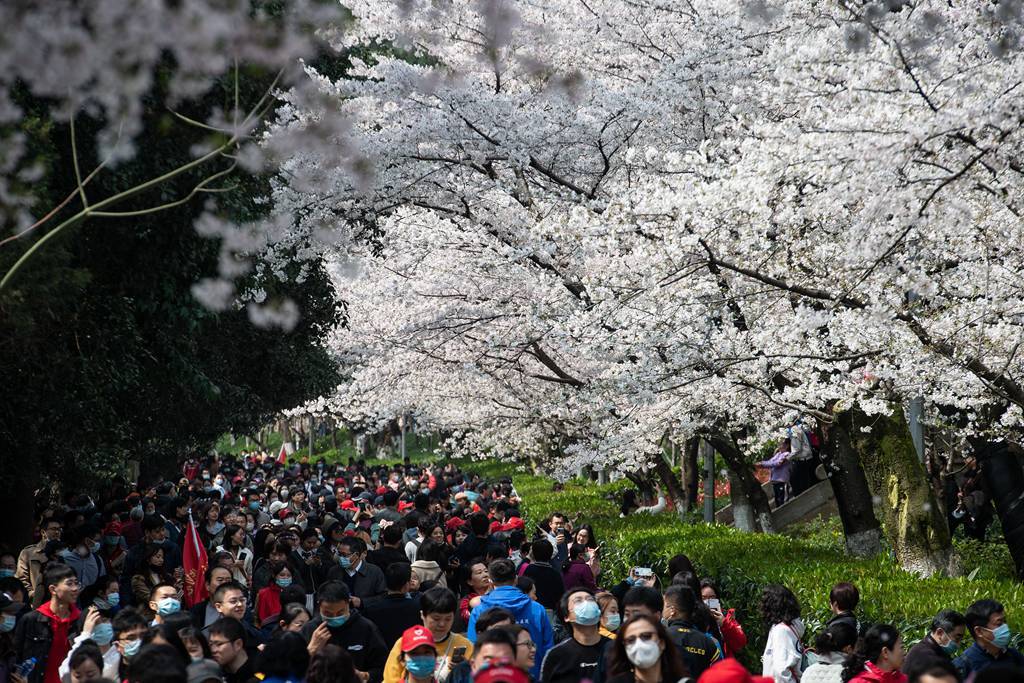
61 643
268 602
872 674
733 635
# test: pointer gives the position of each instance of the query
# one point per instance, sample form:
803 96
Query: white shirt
781 658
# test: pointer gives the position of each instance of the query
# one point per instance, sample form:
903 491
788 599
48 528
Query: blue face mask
103 634
613 622
95 547
132 648
283 583
587 613
7 625
254 505
1001 636
114 599
4 573
421 666
168 606
345 562
335 622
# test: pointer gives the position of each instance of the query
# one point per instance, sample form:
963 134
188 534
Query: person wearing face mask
163 601
580 657
698 650
8 565
644 654
877 658
783 652
418 655
98 629
986 621
268 600
527 613
831 648
29 568
611 620
129 628
9 609
81 553
943 639
337 623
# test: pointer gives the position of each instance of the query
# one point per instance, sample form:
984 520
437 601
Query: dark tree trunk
742 510
1004 479
914 525
853 496
735 461
673 487
691 471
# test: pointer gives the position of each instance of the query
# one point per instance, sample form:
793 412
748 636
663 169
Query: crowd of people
248 569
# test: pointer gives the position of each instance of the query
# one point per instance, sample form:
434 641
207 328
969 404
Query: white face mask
643 653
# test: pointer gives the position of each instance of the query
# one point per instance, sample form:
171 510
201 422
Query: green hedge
743 563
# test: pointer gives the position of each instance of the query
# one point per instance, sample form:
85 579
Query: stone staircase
817 501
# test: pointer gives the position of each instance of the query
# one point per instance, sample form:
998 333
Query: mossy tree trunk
914 524
861 529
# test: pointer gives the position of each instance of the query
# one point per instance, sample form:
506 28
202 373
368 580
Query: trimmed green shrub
743 563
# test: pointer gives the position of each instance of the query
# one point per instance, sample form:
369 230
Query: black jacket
698 650
922 655
393 614
33 637
548 581
387 556
361 639
367 582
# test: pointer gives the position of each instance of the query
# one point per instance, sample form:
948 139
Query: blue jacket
528 614
975 659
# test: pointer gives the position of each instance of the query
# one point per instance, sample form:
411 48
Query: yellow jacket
394 669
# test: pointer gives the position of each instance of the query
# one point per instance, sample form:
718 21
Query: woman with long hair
150 574
643 653
241 557
783 651
877 659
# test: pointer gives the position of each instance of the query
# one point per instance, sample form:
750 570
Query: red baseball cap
454 523
731 671
501 672
516 523
415 636
348 504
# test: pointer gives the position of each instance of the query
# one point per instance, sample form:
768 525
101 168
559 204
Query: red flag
282 457
195 562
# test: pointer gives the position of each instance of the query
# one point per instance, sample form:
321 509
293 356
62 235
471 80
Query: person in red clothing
733 637
479 584
46 633
268 600
878 657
